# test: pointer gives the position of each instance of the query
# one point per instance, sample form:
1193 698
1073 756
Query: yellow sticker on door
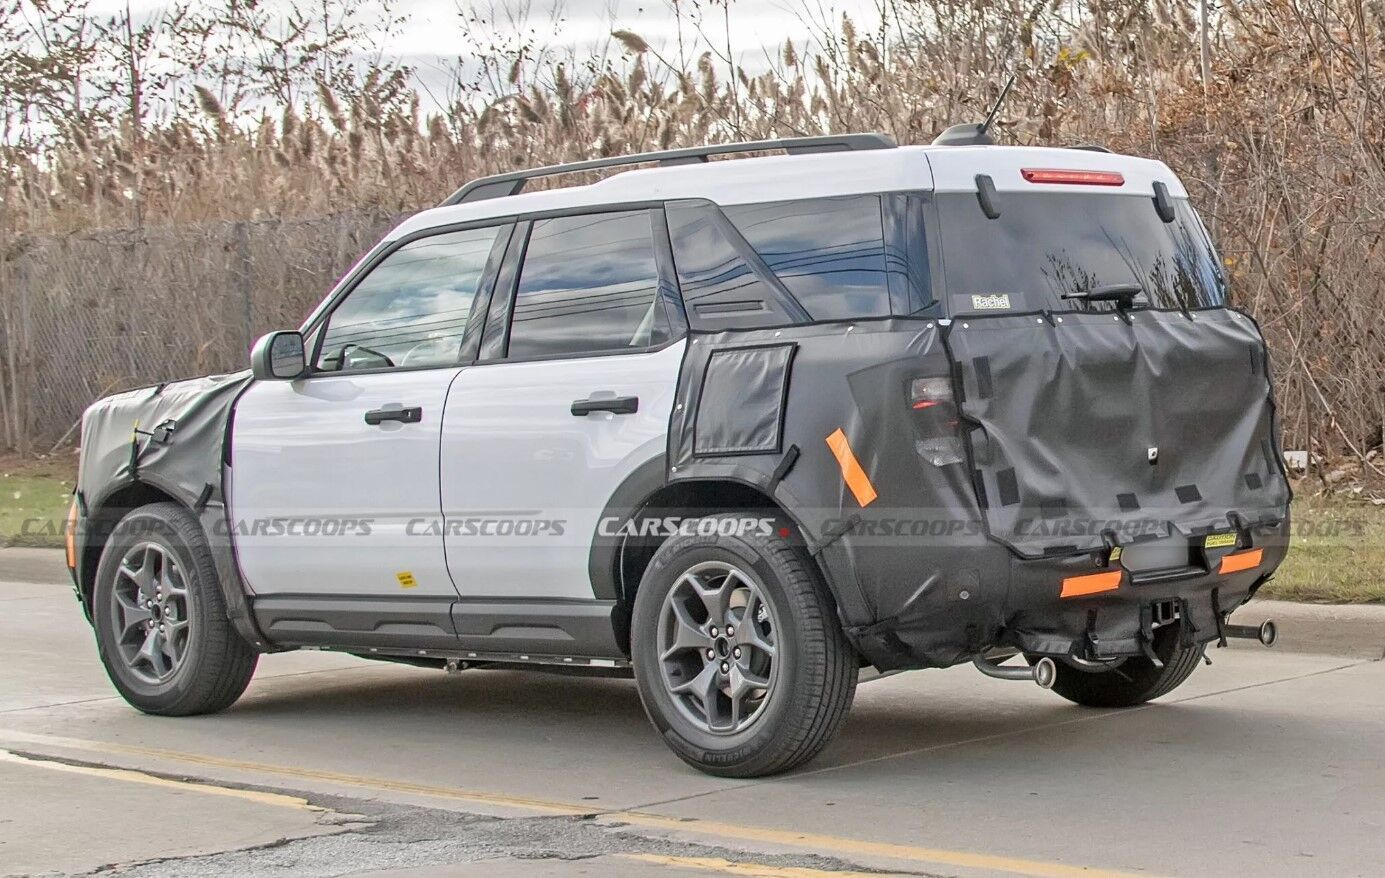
406 579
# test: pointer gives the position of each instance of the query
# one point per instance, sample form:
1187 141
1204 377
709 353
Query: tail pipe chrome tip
1043 672
1266 632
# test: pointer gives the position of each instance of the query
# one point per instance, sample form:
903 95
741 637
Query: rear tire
740 660
1135 680
161 624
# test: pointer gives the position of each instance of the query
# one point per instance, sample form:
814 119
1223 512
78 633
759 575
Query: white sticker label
993 302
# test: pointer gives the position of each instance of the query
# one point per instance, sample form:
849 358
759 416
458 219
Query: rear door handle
410 415
616 405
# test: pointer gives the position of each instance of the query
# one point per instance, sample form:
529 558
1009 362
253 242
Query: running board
458 659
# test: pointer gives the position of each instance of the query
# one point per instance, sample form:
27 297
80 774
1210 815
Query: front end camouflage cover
171 437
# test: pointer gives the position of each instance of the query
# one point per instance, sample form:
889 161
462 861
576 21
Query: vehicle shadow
529 714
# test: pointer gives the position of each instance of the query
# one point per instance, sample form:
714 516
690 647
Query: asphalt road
1268 762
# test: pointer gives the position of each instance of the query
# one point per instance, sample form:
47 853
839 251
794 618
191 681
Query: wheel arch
686 498
101 519
103 516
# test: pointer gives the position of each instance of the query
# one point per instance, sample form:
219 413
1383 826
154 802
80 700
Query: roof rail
501 185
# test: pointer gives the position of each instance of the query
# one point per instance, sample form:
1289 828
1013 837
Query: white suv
743 428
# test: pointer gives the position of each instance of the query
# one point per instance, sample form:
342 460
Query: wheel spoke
748 633
687 634
745 681
132 614
703 687
714 598
152 652
170 649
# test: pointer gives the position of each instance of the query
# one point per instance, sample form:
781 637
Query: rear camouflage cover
1094 429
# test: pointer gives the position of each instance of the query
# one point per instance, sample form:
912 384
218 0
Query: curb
1354 630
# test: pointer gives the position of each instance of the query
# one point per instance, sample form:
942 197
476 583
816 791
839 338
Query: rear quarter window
814 259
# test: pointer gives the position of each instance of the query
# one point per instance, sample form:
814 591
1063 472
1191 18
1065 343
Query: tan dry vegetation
1278 131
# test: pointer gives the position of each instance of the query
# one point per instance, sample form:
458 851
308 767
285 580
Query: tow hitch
1043 672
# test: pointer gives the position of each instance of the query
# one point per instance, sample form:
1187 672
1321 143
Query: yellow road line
277 800
751 870
841 845
709 828
351 780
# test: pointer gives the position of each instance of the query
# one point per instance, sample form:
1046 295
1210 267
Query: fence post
6 343
245 284
22 341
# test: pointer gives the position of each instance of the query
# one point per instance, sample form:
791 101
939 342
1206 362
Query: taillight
934 411
1079 178
924 393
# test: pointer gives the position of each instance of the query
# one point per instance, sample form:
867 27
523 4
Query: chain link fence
85 315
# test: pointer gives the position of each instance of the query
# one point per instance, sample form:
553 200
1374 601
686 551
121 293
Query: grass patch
34 495
33 510
1337 555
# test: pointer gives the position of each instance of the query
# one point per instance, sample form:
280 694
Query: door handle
616 405
411 415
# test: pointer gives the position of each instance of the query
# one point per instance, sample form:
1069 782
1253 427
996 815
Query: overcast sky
433 28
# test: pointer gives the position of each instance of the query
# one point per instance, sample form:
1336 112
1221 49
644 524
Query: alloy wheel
152 612
718 647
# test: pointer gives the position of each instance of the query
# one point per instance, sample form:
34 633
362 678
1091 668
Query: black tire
216 663
816 667
1135 680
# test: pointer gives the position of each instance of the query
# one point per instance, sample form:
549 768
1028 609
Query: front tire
1135 680
741 663
161 624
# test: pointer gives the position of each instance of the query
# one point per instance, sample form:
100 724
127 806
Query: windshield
1045 244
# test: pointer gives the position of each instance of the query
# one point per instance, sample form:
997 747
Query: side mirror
279 356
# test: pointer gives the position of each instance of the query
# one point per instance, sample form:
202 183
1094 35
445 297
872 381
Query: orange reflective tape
1092 583
855 477
1239 561
70 537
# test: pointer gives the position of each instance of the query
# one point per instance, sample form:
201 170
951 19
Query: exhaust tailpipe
1266 632
1043 672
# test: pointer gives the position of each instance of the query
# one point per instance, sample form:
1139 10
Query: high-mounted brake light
1079 178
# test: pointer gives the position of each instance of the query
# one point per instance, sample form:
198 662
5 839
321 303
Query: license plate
1166 554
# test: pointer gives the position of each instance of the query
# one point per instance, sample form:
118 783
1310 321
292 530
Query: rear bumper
1019 603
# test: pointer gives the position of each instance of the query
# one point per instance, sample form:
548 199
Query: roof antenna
974 133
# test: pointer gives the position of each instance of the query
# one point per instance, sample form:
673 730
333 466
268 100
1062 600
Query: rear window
1045 244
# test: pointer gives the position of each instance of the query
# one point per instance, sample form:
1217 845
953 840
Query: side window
828 252
589 284
783 262
721 285
411 310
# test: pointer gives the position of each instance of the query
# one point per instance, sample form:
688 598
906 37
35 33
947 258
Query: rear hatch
1090 425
